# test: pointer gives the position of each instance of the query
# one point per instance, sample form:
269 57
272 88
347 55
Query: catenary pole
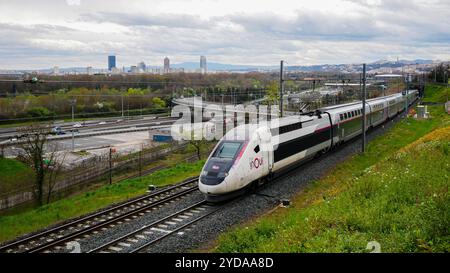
281 87
364 110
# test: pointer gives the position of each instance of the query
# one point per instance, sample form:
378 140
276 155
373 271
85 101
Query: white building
55 70
203 67
134 69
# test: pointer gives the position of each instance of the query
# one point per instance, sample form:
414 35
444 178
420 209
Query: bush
39 112
158 102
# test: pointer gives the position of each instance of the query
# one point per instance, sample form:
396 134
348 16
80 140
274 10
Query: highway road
132 140
98 125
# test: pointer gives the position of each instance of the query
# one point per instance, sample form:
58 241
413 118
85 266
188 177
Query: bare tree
33 145
198 146
54 166
194 137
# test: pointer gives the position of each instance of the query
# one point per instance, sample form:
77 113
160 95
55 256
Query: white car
102 123
77 125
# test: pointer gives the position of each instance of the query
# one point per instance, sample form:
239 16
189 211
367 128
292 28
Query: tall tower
166 65
111 62
142 67
203 68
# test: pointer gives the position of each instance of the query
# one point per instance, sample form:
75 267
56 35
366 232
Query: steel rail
18 243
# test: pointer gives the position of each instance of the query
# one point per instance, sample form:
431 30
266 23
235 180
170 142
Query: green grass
396 196
13 175
437 93
15 225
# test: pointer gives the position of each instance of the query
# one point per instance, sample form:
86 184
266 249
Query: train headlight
223 175
204 173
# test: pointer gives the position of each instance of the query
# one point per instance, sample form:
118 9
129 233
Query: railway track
54 239
148 235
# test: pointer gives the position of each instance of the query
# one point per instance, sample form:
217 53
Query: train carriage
249 154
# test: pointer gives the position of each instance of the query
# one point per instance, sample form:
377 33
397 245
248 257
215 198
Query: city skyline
81 33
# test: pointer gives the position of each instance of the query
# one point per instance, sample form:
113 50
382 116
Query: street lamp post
121 98
72 103
408 79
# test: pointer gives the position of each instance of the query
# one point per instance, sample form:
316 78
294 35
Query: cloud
166 20
254 32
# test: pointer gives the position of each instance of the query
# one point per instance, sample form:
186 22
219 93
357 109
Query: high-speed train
250 154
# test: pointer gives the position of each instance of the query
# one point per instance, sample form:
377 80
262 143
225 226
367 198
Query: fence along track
54 237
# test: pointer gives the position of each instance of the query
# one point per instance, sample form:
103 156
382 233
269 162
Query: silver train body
249 154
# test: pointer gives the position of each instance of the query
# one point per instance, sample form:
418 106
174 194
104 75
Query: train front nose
215 177
212 179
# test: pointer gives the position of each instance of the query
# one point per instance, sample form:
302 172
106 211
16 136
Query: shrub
39 112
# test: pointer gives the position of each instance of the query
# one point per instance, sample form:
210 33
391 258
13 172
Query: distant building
55 70
111 62
115 70
203 68
177 70
166 65
89 70
157 71
142 67
134 69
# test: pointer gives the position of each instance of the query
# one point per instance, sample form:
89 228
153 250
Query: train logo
256 163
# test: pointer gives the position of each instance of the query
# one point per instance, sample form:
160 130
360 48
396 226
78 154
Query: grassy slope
436 93
398 198
13 174
13 226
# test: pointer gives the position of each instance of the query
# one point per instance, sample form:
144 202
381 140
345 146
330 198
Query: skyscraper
142 67
203 68
111 62
166 65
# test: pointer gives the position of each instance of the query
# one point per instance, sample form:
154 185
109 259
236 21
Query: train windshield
228 150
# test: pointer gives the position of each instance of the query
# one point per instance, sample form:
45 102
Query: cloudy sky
45 33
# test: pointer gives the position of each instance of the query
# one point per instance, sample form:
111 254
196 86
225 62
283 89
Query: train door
266 150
